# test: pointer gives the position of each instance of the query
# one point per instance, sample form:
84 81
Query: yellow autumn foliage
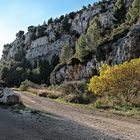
120 83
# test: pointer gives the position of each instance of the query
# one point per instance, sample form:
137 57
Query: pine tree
95 35
81 48
65 24
134 11
119 10
66 53
50 21
88 43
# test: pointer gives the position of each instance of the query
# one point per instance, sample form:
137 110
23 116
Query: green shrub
50 21
66 25
119 9
75 87
72 15
66 53
119 32
25 85
40 31
134 11
82 49
76 92
88 43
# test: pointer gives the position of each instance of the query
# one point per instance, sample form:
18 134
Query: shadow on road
21 123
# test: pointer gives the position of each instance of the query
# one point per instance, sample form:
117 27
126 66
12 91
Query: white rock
9 97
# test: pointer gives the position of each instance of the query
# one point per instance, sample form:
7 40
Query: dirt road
64 122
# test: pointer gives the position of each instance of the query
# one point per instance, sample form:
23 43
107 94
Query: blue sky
17 15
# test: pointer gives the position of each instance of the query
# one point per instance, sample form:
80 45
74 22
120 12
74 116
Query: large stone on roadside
9 97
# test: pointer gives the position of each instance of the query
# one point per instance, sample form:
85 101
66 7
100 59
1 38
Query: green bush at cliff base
76 92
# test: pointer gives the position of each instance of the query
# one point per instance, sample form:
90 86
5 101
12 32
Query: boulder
9 97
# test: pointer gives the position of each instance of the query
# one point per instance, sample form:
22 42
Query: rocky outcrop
9 97
48 39
126 48
117 52
41 49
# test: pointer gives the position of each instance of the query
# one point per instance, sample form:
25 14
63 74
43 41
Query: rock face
47 40
121 50
9 97
127 47
40 48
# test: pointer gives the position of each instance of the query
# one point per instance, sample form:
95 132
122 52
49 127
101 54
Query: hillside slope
74 46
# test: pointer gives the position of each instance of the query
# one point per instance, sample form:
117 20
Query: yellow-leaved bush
118 84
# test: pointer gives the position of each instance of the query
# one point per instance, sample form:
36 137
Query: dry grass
74 91
43 92
33 90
